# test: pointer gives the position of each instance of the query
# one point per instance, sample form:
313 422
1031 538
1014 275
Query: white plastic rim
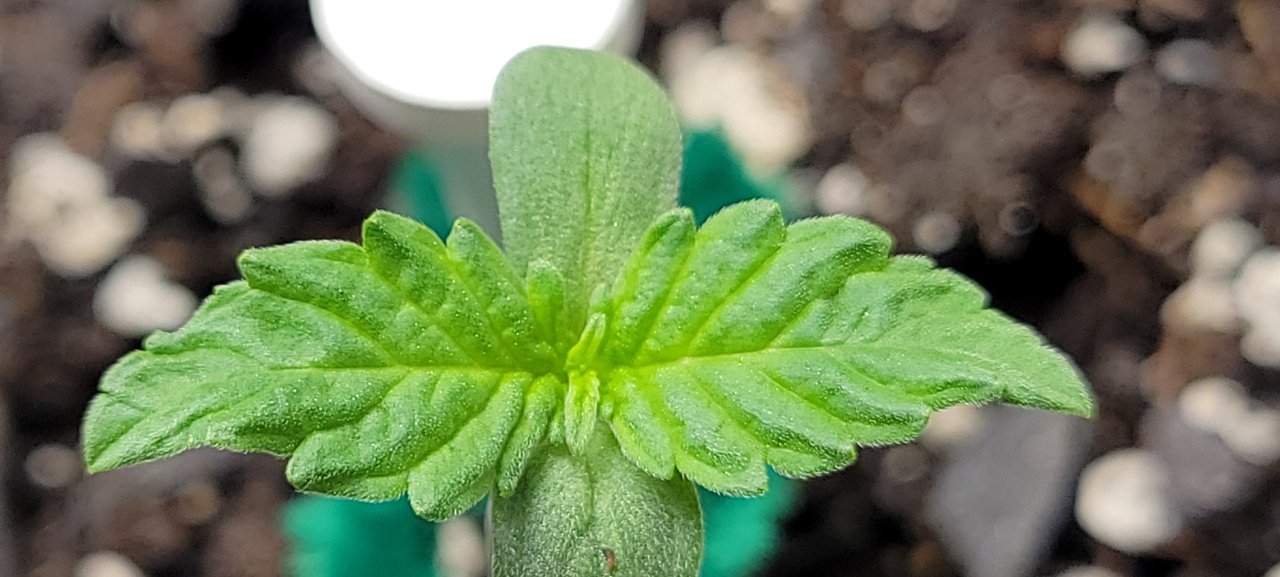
446 54
425 69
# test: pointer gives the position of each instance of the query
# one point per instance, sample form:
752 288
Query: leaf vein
801 315
371 338
758 268
465 280
467 422
794 393
404 295
654 318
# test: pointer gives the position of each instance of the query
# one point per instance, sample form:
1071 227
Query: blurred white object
1257 292
762 113
53 466
447 54
952 427
426 69
1190 61
1124 502
224 196
1101 43
1201 303
287 144
460 548
1222 247
61 202
135 298
1213 403
1222 407
107 564
843 190
138 130
194 120
936 232
1088 571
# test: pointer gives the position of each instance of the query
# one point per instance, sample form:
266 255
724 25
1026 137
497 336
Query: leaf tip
381 222
466 236
1082 405
91 454
581 409
673 217
95 461
465 228
248 259
764 207
1069 395
96 439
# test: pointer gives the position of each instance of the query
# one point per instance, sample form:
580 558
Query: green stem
596 515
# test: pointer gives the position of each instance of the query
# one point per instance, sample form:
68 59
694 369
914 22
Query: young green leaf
586 153
596 515
750 343
403 365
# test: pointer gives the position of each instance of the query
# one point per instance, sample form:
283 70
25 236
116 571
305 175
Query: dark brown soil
1076 213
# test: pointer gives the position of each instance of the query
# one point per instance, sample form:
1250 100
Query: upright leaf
403 365
586 153
753 343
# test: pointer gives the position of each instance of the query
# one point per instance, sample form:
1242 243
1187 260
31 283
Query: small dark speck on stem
610 560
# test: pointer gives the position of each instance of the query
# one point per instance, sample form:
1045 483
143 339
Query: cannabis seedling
588 377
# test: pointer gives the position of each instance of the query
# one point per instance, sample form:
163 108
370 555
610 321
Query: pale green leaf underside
750 343
400 365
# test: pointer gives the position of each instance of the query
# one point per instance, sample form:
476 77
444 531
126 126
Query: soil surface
1108 169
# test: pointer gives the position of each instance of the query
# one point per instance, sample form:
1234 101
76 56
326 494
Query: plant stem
596 515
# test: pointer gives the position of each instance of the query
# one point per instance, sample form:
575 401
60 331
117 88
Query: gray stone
53 466
1191 62
1205 476
999 502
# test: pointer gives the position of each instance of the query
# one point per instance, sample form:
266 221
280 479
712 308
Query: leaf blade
401 365
793 345
586 153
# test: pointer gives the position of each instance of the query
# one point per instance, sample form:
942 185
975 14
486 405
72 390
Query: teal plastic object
341 538
713 177
741 534
416 192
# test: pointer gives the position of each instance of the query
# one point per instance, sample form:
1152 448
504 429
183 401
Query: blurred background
1108 169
